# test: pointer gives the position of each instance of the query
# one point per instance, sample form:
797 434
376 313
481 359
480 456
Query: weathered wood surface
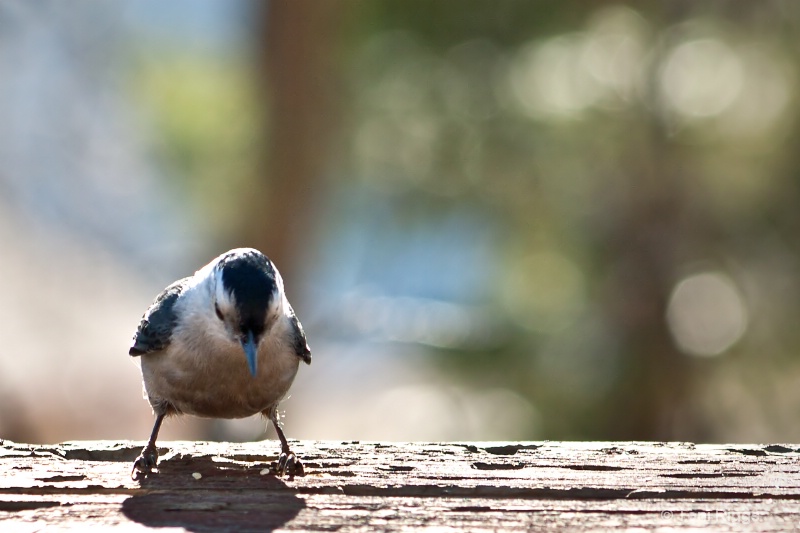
391 487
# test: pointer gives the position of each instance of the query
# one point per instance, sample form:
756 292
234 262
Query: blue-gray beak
250 351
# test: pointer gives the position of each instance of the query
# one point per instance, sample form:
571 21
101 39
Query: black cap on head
250 278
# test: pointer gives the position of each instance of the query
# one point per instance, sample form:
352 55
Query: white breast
208 376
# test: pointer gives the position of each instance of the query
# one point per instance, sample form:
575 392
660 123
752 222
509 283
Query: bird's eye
219 313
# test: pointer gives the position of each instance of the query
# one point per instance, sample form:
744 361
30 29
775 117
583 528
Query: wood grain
368 486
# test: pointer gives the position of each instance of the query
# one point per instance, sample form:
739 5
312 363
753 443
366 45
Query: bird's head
248 298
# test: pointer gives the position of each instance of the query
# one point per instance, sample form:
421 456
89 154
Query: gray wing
158 322
299 341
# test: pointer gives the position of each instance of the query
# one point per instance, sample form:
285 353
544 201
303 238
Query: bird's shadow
213 494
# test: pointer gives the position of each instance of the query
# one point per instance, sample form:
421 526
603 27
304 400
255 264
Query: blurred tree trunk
660 231
648 403
297 48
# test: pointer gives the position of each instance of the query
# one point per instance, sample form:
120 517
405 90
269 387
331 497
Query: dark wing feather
158 322
299 341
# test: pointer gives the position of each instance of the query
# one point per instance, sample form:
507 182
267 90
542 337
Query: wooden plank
391 486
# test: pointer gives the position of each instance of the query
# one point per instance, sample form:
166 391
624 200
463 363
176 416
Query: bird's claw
145 463
289 465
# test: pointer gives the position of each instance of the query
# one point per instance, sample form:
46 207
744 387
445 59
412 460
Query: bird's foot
146 461
288 465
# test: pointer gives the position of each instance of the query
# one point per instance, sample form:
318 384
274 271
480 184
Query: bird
223 343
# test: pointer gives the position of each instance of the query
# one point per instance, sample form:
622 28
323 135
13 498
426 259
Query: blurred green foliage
209 118
622 149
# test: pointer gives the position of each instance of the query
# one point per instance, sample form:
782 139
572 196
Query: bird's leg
288 463
148 459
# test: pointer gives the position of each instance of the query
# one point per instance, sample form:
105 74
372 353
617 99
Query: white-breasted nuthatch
224 343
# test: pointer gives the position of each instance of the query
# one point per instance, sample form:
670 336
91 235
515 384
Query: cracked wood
391 486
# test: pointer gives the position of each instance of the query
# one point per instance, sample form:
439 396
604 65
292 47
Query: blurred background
512 219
